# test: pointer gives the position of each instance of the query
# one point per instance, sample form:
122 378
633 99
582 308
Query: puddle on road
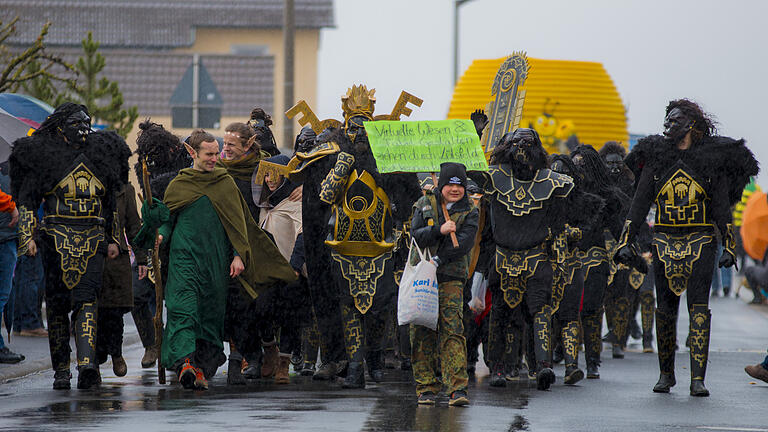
390 406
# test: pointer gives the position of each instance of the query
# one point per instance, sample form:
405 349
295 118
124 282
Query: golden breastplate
77 198
359 219
681 201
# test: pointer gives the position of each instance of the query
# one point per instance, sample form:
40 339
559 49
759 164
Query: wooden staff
447 216
478 238
158 280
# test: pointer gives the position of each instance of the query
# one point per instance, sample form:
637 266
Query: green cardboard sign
421 146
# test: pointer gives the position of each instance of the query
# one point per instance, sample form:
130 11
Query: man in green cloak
213 238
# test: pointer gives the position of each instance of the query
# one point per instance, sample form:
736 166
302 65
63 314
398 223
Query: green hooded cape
264 264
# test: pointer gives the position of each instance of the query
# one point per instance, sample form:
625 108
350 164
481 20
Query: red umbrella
754 228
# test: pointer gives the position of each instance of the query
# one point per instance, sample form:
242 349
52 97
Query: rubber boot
530 353
497 378
355 376
593 344
374 361
634 329
85 342
58 341
353 339
647 308
512 355
620 326
545 376
666 330
283 365
557 341
570 337
610 314
234 367
310 344
701 318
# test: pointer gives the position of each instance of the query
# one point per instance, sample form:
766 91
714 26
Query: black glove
480 120
726 260
624 255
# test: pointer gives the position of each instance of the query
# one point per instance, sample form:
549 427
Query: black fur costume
693 190
597 269
79 181
165 155
641 292
365 304
592 209
529 206
314 216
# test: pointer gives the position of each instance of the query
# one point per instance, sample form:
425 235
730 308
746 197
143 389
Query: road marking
731 429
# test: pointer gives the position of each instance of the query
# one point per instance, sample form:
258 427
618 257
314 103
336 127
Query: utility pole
456 5
195 90
288 56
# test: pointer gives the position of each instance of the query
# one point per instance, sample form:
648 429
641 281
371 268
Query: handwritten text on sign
421 146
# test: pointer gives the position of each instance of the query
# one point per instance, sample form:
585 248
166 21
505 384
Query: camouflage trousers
446 345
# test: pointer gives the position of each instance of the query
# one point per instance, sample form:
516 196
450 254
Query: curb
28 367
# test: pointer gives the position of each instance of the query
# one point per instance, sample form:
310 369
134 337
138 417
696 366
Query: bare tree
16 66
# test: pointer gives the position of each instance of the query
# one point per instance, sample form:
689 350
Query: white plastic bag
418 300
479 287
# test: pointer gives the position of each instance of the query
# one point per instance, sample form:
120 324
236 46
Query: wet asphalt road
620 400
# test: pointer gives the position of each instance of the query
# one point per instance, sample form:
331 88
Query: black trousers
109 338
61 300
507 323
698 283
595 284
569 305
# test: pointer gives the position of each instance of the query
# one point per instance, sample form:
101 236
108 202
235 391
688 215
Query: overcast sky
712 51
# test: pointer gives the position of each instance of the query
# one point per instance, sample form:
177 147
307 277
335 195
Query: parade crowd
295 260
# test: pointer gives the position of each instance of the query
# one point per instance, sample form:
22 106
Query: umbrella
11 129
25 107
754 228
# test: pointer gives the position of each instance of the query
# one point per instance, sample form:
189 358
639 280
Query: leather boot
666 340
283 365
620 327
545 376
353 339
593 344
647 308
234 368
149 358
570 338
85 342
271 357
375 364
701 318
58 341
119 367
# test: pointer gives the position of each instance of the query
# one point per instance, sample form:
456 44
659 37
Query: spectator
758 371
8 220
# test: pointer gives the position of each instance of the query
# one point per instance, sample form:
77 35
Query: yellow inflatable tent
562 98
